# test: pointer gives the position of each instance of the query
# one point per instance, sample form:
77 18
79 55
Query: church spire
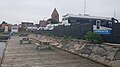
55 15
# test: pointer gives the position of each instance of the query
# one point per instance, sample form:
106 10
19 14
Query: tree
93 37
66 39
3 22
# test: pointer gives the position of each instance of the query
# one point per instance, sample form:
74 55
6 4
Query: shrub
93 37
66 39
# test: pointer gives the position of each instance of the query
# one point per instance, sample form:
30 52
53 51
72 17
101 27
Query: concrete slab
25 55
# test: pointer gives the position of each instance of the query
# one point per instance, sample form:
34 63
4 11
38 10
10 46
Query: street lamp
44 18
85 7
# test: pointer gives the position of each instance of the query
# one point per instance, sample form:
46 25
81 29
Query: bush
66 39
93 37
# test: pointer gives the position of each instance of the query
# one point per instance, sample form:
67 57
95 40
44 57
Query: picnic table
43 45
23 34
25 39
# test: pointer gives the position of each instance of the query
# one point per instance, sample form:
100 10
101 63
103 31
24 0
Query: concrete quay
107 54
26 55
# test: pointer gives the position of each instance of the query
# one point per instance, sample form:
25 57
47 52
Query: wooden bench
43 45
25 39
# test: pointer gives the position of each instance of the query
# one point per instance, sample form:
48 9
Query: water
2 46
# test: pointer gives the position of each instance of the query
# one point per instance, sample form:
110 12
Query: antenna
44 18
85 7
114 14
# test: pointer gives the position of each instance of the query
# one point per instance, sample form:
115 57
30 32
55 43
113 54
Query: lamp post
44 18
85 7
114 14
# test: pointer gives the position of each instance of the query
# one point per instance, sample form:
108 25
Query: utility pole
85 7
44 18
114 14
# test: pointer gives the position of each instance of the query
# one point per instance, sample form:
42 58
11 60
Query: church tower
55 15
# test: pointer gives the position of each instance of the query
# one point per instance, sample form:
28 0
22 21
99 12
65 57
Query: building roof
87 16
27 23
55 12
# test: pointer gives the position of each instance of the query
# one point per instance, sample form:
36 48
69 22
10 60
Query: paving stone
108 48
101 45
110 55
101 51
60 46
72 50
82 47
114 49
85 55
66 46
95 48
106 61
90 46
117 55
86 51
77 46
55 44
101 59
94 56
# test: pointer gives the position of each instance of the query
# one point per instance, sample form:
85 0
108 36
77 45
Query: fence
79 30
75 30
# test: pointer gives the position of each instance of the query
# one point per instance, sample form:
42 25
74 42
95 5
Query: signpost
103 31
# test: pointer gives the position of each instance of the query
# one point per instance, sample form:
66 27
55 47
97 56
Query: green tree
3 22
93 37
66 39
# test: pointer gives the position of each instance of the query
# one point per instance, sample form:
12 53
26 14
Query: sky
16 11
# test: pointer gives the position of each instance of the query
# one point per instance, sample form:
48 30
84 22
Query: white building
32 28
14 29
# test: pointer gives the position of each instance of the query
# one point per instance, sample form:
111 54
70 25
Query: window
98 24
73 20
14 28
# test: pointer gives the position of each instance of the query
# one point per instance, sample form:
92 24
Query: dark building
101 25
55 15
25 24
107 27
43 23
37 25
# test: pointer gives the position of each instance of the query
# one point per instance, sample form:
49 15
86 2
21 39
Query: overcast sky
16 11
